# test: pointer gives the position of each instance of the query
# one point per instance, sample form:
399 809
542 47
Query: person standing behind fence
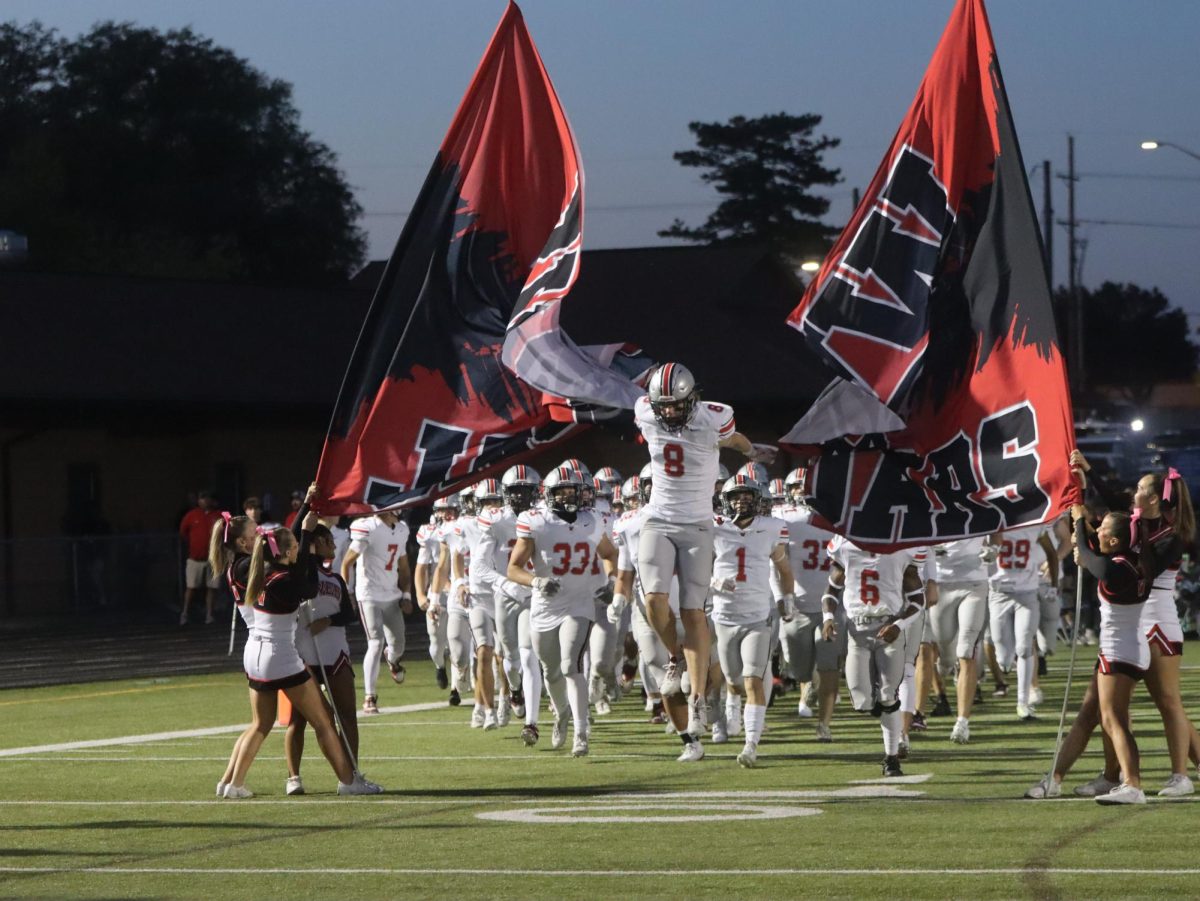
195 529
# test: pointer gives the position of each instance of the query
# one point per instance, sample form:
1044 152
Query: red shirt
196 527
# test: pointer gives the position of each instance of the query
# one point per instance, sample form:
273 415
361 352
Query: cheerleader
229 549
282 574
563 542
321 641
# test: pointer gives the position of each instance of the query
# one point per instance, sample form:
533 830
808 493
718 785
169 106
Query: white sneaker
692 752
1123 794
961 733
749 756
294 786
580 748
733 722
1036 696
489 720
670 683
504 711
720 734
803 711
221 789
477 718
669 728
378 788
1177 786
237 792
359 786
649 703
1097 786
1026 713
370 705
823 734
603 707
558 737
1047 788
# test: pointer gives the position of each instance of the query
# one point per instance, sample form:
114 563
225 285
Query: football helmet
673 396
742 496
796 485
520 486
563 489
631 492
466 501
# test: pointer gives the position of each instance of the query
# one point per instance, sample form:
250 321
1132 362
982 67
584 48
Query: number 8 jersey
565 551
684 463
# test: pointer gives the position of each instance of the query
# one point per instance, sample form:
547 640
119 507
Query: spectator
196 529
297 502
253 508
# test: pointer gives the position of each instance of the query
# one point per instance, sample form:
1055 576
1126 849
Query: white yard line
185 733
417 871
532 757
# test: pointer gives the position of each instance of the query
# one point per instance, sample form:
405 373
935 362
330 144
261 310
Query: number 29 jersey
874 582
565 551
684 463
1016 566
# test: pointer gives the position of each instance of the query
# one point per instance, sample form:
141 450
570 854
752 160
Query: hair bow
1172 475
269 534
225 515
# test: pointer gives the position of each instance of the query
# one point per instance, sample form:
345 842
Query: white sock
648 682
890 724
371 667
512 669
733 706
962 721
577 697
1025 671
908 689
754 717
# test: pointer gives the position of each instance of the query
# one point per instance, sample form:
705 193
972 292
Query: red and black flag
427 403
950 415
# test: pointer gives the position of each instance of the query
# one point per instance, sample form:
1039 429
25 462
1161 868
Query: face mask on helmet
519 497
564 499
673 396
742 504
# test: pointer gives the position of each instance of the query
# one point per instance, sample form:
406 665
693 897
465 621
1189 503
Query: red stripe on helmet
664 387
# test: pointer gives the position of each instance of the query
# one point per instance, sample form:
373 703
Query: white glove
988 553
726 586
546 587
762 453
617 608
510 589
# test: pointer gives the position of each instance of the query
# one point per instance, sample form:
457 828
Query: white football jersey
806 553
499 539
960 561
380 548
744 556
1016 566
874 582
565 551
429 544
684 464
626 533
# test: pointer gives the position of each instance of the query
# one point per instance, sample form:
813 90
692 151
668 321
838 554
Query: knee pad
888 708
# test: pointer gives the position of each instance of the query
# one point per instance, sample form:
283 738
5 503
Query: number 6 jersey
874 582
565 551
684 463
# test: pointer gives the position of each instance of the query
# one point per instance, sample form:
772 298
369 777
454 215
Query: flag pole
1062 719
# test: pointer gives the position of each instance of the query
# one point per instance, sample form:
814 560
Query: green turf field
470 814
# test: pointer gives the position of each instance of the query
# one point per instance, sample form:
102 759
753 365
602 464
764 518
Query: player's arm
347 563
607 552
787 583
441 572
1051 551
421 583
404 581
831 600
913 587
521 554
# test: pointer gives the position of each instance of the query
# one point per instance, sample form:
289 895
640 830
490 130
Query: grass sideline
475 814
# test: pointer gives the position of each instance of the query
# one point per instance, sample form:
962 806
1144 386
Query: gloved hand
988 553
605 595
762 453
726 586
546 586
617 608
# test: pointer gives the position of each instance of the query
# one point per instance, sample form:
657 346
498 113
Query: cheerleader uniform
271 660
1123 647
1160 619
236 575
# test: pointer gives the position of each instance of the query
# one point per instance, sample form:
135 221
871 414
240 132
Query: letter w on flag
950 414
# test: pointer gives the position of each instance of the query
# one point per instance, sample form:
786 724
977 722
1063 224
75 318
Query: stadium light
810 265
1137 425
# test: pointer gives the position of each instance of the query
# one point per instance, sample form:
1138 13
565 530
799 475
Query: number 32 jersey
684 463
565 551
874 582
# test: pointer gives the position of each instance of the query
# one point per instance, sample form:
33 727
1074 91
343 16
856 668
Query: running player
684 437
883 595
564 544
429 544
458 615
378 545
746 545
958 621
477 593
1013 604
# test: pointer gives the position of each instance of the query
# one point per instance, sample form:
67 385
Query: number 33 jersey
874 582
684 463
565 551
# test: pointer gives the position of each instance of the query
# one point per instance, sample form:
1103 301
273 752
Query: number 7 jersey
684 463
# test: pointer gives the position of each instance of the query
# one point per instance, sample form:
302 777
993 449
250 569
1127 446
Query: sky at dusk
379 81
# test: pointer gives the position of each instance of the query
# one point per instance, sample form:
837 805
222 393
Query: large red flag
426 404
950 415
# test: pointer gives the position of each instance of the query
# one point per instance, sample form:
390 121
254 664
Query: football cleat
749 756
891 767
370 705
455 697
670 683
558 737
580 747
443 681
961 733
529 735
398 672
489 720
693 752
237 792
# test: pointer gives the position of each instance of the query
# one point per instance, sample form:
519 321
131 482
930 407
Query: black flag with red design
950 415
427 405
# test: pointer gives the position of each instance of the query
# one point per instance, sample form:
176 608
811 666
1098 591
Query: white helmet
631 489
559 478
756 471
673 395
520 486
741 484
795 483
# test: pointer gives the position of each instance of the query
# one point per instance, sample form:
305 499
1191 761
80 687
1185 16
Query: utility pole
1074 298
1048 222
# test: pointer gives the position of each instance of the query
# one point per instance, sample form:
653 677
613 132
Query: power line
1139 176
1133 224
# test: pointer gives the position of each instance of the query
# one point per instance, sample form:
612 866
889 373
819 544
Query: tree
764 168
129 150
1133 338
